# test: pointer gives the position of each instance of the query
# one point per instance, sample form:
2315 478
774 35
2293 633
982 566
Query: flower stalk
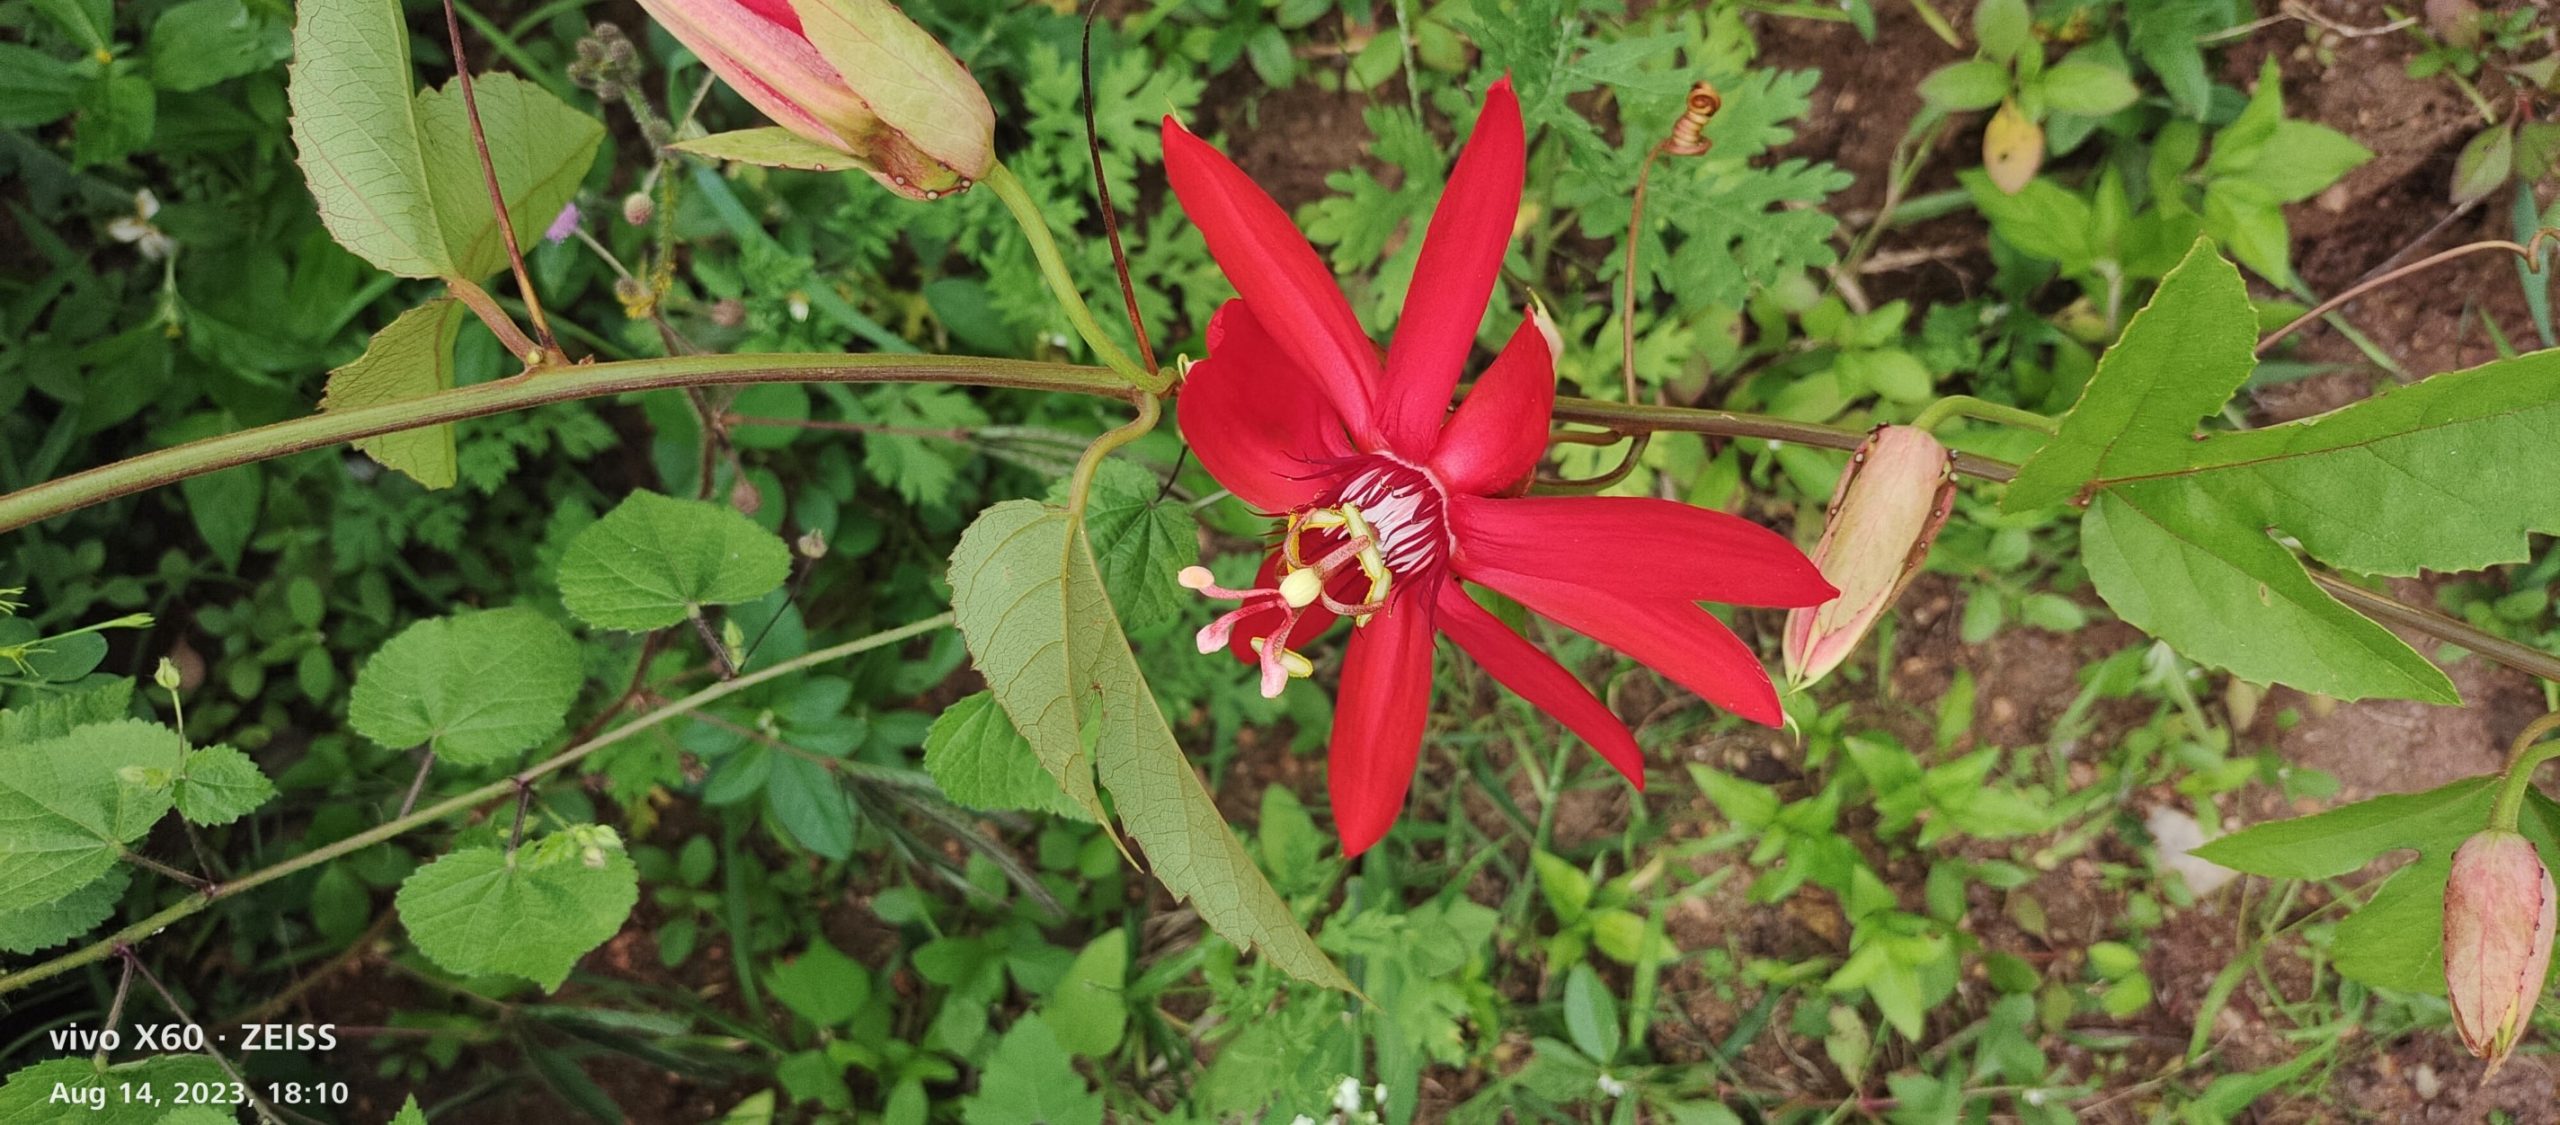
1053 270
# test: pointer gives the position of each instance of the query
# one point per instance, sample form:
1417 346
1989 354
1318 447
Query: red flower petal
1495 439
1638 548
1260 423
1378 719
1276 272
1677 639
1461 258
1312 621
1536 677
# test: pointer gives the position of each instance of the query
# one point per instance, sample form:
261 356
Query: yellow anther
1301 588
1297 665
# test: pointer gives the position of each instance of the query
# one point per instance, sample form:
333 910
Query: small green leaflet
393 168
1030 1080
2396 939
69 805
822 984
476 687
1031 605
479 911
409 1113
28 1098
980 761
411 356
1139 543
218 785
1088 1010
654 559
74 914
2448 474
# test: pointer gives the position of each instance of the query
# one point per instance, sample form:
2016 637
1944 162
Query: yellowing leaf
2012 149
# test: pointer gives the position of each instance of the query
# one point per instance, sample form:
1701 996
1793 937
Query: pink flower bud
853 76
1892 500
2498 923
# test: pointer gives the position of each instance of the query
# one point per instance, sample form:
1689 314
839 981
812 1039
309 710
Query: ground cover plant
783 561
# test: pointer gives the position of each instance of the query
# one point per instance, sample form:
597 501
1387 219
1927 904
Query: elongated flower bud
1892 500
856 80
2498 924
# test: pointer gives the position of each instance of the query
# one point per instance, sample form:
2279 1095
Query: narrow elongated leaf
770 146
411 356
1032 607
476 687
69 805
532 915
654 559
2452 473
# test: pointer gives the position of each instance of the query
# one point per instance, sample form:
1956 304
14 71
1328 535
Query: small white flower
1610 1086
138 229
1346 1097
1302 1119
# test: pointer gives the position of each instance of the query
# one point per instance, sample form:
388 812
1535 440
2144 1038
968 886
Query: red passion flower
1390 499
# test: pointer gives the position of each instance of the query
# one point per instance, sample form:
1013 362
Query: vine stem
1053 269
2527 251
1981 410
550 349
168 466
503 787
1080 485
2522 758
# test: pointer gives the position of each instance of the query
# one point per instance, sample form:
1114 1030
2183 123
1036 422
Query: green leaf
411 356
1031 605
475 687
395 171
2301 159
1030 1080
2088 89
49 924
654 560
822 984
810 805
69 805
224 507
201 42
52 1092
2484 164
2327 845
1087 1009
55 714
409 1113
980 761
1139 543
35 87
479 911
770 146
116 116
2448 474
1591 1015
2003 27
219 784
1972 84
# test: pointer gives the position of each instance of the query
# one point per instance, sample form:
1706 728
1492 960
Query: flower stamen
1301 584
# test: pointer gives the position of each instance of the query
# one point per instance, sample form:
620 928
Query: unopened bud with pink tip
1891 501
2499 915
854 82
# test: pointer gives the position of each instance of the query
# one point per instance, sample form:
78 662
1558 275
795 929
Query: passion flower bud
2498 923
855 81
1891 501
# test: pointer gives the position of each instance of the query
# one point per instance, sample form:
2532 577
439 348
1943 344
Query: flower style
1389 500
853 76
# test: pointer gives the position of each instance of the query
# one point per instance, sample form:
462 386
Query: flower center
1386 518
